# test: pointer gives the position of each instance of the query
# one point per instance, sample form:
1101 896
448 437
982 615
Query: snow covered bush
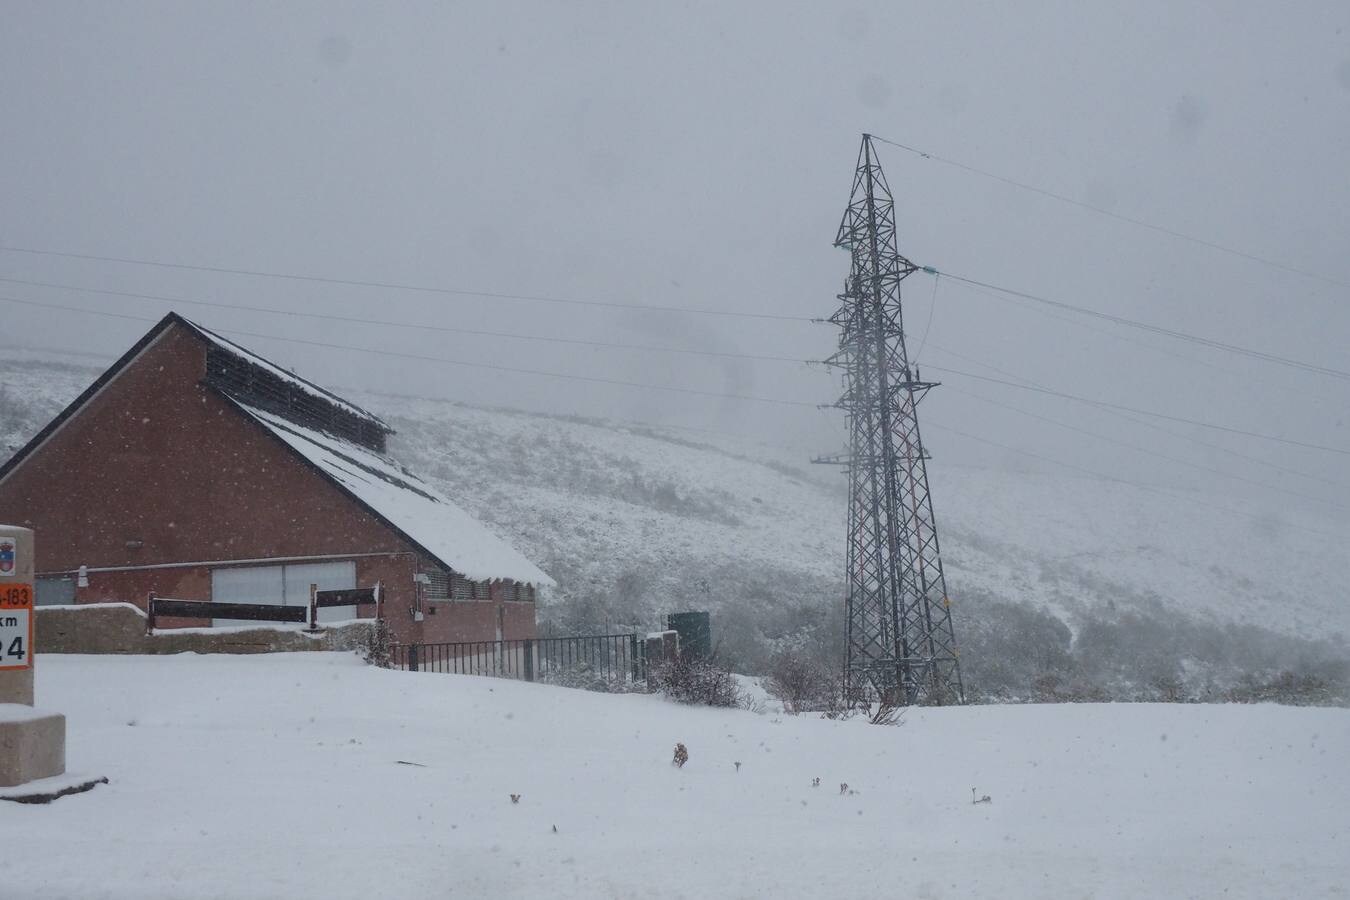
697 681
585 678
377 650
1289 688
802 682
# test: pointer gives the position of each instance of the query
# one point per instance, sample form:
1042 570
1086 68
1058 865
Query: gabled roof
399 499
210 337
404 502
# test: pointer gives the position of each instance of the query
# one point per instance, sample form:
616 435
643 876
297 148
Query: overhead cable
400 286
390 323
1161 229
1154 329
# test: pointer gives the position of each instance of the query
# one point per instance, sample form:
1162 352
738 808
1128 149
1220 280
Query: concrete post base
32 744
17 687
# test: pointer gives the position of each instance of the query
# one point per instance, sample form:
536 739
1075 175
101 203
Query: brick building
198 470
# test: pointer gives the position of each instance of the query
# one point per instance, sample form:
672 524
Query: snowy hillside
313 775
626 497
1103 583
1084 578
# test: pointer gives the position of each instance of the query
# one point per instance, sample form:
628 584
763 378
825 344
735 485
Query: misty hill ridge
607 496
634 521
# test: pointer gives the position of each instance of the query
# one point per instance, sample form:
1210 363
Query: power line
634 425
1145 412
106 358
1147 451
672 389
744 437
522 371
1119 320
1117 335
1136 485
701 393
78 309
1157 427
1161 229
417 288
932 308
444 329
439 359
102 358
1113 333
1155 329
1135 419
622 383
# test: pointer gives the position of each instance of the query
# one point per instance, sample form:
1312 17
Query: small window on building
56 590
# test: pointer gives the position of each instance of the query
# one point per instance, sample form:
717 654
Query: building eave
353 497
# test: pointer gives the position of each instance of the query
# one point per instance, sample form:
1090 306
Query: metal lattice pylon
900 644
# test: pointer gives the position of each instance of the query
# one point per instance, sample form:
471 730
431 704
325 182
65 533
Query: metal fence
600 661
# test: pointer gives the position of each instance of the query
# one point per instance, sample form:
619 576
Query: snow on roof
289 377
419 511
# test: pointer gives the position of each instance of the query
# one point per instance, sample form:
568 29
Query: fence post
412 657
633 655
529 659
313 607
150 613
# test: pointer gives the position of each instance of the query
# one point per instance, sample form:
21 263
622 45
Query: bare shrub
801 683
887 714
585 678
1168 689
1288 688
1052 688
698 682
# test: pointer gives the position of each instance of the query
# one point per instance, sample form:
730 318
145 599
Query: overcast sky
700 155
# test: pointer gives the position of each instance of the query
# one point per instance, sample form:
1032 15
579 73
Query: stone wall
120 628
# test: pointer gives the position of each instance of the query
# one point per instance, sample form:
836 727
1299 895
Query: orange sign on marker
16 626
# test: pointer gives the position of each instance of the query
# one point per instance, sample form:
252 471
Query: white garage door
329 576
287 585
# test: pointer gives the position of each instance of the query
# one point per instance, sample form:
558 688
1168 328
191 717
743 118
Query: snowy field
280 776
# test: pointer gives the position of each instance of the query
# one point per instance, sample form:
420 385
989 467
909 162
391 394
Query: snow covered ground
280 776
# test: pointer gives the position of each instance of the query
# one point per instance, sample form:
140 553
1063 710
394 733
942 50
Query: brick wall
161 461
158 469
120 628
